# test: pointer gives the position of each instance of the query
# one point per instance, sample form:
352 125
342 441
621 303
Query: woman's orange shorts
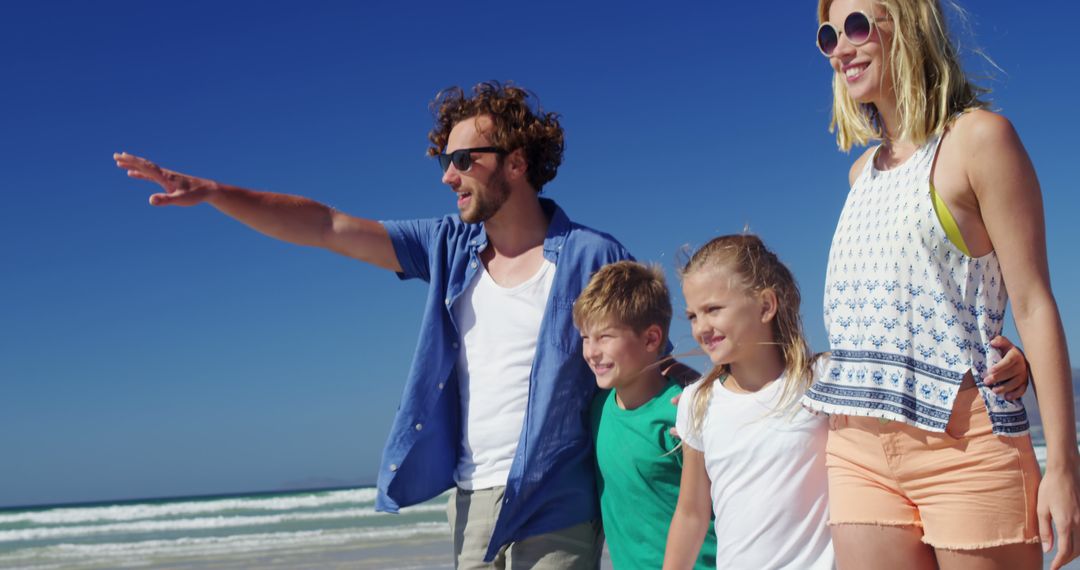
967 488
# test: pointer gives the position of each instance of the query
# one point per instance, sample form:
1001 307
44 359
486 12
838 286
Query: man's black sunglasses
462 157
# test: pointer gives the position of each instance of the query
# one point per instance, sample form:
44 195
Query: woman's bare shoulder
859 164
980 129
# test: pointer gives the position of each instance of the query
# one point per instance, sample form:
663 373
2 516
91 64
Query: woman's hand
1059 502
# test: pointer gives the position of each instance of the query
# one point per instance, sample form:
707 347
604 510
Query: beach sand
411 554
432 554
435 555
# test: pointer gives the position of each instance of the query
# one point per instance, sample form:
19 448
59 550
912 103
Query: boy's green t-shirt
638 479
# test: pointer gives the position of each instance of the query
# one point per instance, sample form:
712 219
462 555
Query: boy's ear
653 337
769 305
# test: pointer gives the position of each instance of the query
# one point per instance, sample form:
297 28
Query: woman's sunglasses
857 27
462 157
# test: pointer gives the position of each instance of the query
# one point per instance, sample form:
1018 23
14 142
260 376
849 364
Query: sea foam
231 546
199 523
141 511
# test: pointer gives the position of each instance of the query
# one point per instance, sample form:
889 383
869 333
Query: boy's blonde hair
753 267
629 293
931 88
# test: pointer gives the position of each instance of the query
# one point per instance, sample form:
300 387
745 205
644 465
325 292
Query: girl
752 455
928 467
751 452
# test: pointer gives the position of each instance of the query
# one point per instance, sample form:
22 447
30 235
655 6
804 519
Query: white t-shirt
768 481
499 328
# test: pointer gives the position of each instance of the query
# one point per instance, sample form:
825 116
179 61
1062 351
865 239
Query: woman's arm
1010 205
693 513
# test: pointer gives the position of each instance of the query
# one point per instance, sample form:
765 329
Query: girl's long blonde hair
931 88
755 268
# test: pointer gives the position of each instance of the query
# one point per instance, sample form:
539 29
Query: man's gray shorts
472 516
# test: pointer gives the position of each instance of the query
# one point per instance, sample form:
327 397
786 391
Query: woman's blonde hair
753 267
930 86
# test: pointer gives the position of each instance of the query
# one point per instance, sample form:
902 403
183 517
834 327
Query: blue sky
155 352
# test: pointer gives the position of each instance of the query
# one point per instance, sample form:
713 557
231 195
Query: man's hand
1009 377
180 189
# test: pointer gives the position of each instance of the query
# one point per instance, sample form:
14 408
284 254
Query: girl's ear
769 305
653 337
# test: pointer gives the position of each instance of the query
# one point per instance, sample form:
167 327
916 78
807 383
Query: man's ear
769 305
514 164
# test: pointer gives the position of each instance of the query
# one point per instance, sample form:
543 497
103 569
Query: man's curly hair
515 125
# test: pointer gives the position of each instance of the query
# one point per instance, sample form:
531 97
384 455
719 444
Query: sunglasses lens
462 160
826 39
857 28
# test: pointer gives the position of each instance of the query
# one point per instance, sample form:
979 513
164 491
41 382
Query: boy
623 315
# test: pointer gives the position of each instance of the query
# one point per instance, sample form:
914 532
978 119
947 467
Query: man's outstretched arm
294 219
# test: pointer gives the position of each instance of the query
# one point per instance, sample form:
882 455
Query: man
496 402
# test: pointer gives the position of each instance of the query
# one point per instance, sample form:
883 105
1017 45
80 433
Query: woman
928 466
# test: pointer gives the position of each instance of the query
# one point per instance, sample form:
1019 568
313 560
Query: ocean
309 529
290 530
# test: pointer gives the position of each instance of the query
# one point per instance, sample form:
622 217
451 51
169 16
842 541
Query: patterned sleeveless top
908 313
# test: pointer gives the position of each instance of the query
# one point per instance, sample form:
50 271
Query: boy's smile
618 355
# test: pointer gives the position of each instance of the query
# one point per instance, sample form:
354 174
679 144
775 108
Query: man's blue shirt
551 483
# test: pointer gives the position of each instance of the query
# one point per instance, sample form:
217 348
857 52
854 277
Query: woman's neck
890 119
894 150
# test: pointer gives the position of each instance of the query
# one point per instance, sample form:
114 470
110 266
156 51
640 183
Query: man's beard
487 204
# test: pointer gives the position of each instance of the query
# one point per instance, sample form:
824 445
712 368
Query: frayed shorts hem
939 544
983 545
917 524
